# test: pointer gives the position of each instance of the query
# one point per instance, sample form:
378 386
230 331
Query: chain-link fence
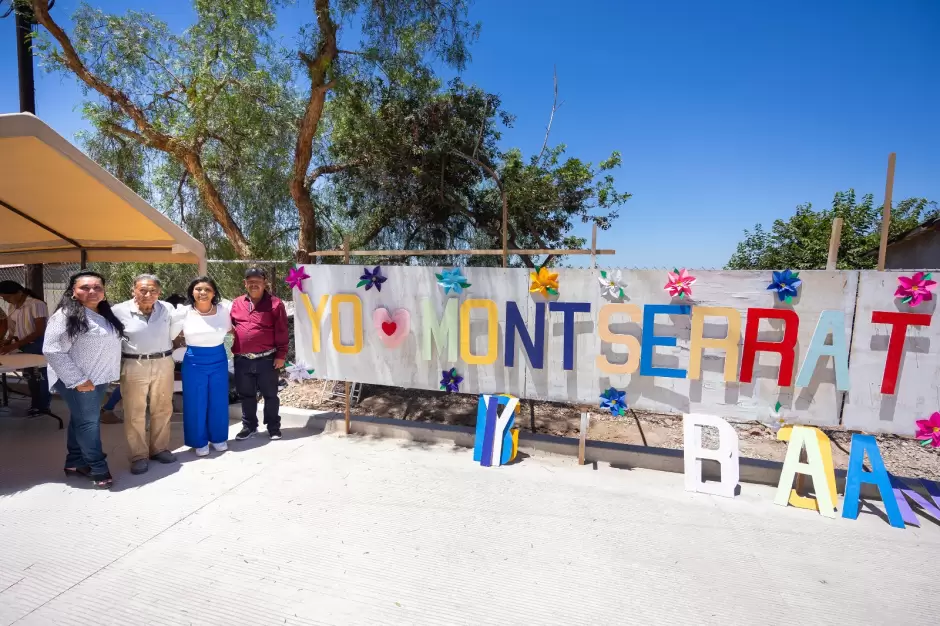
175 277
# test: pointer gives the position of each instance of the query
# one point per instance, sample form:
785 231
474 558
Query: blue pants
37 379
84 434
205 396
113 400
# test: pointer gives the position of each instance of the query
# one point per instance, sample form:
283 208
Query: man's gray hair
141 277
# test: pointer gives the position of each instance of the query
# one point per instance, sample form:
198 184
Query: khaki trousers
143 380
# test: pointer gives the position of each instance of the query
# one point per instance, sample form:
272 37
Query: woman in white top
205 367
83 349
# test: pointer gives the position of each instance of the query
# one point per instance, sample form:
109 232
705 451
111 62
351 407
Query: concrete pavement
324 529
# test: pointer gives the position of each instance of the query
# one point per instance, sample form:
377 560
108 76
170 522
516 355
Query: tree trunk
318 68
213 201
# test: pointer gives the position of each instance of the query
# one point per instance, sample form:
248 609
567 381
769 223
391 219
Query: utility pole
24 62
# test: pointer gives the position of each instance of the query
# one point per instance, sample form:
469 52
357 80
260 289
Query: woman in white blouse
207 320
83 348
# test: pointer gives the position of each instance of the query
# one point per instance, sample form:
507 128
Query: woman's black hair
76 322
10 287
202 279
176 299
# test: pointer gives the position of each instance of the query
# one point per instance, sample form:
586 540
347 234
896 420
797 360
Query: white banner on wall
669 354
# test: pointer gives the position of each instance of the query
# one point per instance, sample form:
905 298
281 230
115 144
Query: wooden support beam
835 238
346 260
582 441
886 218
344 253
594 247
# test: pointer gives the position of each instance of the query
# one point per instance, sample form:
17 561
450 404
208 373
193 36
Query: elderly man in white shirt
147 369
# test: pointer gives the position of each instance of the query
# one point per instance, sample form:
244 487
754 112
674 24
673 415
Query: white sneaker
203 451
220 447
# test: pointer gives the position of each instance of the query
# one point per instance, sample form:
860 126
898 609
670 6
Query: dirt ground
903 456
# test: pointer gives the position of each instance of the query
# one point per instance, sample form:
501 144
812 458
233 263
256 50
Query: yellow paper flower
544 282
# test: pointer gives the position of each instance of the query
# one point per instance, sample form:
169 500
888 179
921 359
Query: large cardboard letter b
726 455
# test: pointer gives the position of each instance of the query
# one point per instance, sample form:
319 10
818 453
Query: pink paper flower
680 283
915 289
928 431
295 276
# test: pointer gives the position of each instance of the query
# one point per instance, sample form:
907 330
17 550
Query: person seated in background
26 327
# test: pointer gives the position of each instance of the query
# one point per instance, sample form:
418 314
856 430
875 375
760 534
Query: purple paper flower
295 276
371 279
450 380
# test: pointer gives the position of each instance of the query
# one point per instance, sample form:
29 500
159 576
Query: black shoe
245 433
139 466
35 412
164 457
275 434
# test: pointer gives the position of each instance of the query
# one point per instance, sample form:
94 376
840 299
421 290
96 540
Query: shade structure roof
59 206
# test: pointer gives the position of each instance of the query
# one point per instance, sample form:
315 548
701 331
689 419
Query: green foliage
399 160
802 242
429 160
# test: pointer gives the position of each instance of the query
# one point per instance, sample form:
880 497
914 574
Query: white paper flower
777 421
299 371
611 284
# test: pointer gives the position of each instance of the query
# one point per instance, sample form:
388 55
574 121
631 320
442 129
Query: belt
147 357
256 355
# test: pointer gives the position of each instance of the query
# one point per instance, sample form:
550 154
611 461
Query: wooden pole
505 229
346 259
582 442
532 252
594 247
834 240
886 219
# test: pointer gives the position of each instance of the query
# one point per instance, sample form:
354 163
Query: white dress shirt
149 335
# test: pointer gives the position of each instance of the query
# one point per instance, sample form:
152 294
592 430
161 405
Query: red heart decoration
389 328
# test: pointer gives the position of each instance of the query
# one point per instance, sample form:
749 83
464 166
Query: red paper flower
928 431
915 289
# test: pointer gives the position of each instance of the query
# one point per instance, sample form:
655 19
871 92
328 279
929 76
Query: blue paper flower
785 284
452 279
615 401
371 279
450 380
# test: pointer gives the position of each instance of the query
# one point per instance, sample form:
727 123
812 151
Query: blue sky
726 113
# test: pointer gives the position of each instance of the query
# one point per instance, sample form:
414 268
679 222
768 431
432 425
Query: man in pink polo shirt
259 323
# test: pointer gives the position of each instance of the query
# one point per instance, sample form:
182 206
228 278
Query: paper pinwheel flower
777 422
544 282
614 401
679 283
611 284
450 380
452 279
928 431
295 276
299 371
915 289
785 283
372 279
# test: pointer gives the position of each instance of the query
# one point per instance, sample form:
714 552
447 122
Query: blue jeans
113 400
37 379
205 396
84 434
